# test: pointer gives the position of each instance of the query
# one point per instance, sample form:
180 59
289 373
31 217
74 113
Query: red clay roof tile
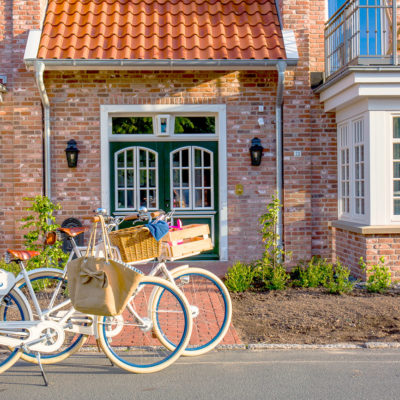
161 29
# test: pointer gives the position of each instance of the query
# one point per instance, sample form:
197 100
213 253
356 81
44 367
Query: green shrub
239 277
313 274
337 279
11 267
379 278
39 223
270 270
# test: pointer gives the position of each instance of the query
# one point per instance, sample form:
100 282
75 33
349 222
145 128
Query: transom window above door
164 125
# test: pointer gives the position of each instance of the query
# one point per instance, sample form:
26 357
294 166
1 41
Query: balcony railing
361 32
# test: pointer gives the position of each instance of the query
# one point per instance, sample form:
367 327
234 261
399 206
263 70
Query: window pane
193 125
207 198
142 158
396 128
121 199
176 177
396 170
207 178
396 206
396 151
197 158
185 158
198 194
152 198
396 188
152 160
132 126
176 159
207 159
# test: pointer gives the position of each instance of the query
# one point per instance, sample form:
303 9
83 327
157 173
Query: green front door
167 175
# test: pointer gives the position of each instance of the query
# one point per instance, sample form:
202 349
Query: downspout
39 74
281 67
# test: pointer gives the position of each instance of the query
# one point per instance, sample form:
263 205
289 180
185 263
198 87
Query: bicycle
208 297
155 304
209 300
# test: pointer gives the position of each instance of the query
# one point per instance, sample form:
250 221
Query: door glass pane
142 158
121 198
176 159
143 198
185 178
176 200
121 178
129 158
197 177
121 160
176 178
207 159
152 178
207 178
185 198
152 199
185 158
198 198
143 178
152 160
197 158
129 180
130 199
207 198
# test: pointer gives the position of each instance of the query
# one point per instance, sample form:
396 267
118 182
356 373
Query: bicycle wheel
210 305
129 341
12 308
51 290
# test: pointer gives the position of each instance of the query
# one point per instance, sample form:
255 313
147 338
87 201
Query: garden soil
313 316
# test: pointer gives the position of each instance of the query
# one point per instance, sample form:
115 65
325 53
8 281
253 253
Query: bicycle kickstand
46 383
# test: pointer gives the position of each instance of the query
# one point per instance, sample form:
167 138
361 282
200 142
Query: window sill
365 229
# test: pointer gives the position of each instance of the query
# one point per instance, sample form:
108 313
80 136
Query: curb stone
287 346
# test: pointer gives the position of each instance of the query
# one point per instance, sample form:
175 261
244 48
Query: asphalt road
272 374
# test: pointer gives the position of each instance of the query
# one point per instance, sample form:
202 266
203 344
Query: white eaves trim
289 40
32 44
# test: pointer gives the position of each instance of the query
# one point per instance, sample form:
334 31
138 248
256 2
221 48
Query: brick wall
75 97
348 247
20 119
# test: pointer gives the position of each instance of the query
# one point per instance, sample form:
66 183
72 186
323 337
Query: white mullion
147 180
203 192
137 180
116 188
212 178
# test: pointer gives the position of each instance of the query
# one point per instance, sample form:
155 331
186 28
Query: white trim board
219 110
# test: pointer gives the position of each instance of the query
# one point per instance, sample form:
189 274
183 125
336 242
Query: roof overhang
31 50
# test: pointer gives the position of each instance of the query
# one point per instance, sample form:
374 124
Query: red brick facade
310 180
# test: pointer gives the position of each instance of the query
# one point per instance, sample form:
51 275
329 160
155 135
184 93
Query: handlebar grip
131 217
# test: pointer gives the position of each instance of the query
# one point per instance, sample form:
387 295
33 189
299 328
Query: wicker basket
135 244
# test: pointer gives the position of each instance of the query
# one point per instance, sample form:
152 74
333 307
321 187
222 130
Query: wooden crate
190 240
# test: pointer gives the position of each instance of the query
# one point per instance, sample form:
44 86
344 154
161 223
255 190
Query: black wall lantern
256 151
72 154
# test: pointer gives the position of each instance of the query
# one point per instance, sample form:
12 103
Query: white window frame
217 110
352 135
394 217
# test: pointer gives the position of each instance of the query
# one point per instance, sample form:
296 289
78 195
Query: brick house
164 98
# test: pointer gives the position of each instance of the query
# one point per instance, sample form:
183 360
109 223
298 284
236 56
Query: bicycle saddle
74 231
22 255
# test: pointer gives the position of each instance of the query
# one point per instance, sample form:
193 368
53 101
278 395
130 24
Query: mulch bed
313 316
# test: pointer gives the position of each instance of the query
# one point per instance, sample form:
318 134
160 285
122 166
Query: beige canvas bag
100 285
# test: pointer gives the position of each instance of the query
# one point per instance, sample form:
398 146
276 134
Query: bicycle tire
12 307
133 345
43 280
211 308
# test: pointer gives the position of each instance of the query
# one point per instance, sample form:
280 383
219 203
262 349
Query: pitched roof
162 30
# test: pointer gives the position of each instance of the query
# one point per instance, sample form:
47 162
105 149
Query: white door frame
219 110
